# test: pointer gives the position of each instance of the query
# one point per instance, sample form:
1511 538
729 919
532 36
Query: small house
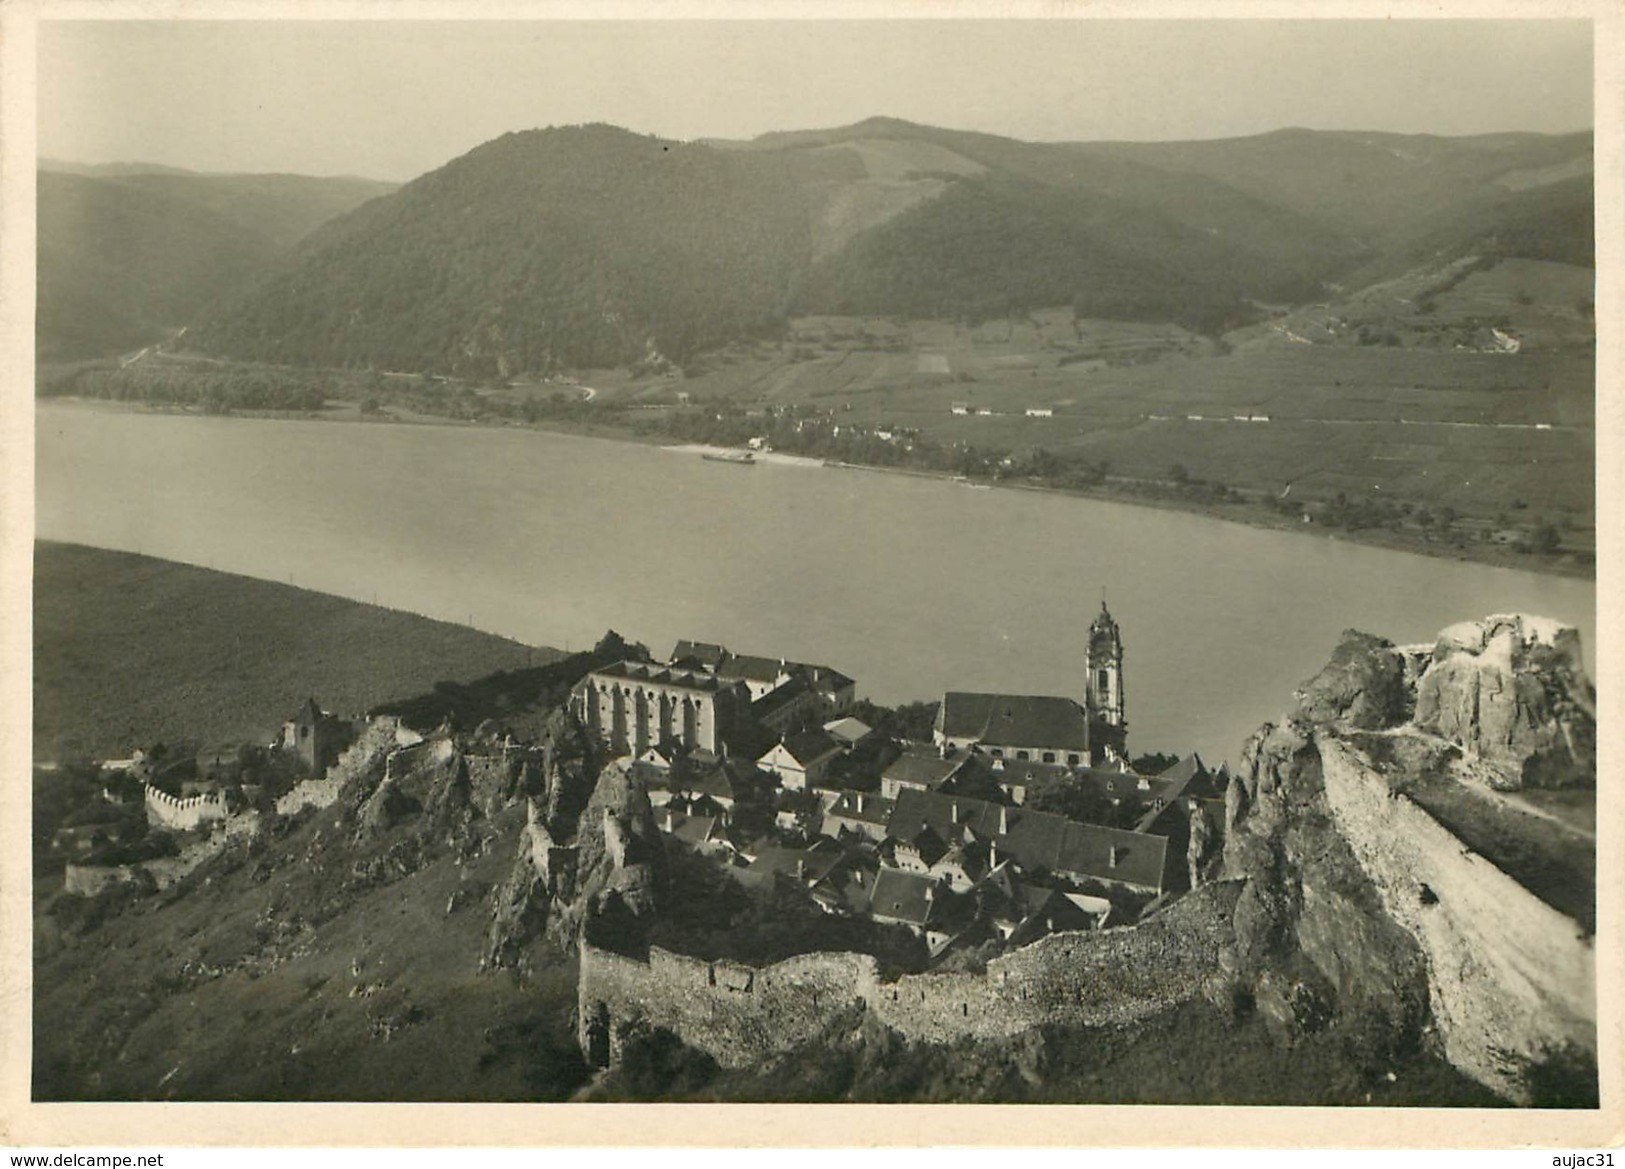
801 760
857 813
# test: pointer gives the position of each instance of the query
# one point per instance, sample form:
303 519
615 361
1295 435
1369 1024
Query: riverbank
1469 543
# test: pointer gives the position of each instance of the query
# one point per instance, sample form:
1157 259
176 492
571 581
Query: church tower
1103 667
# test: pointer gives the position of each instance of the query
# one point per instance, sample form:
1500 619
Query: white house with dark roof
831 691
790 705
760 675
800 761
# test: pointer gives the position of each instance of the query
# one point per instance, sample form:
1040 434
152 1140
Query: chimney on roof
953 811
1113 855
860 801
801 867
930 894
1004 819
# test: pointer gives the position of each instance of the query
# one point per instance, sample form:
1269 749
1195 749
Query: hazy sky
391 100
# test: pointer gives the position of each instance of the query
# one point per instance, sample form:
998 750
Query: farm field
1479 432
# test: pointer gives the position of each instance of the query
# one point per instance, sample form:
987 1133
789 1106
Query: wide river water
911 585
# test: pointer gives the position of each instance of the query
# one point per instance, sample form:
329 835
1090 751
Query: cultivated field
1481 432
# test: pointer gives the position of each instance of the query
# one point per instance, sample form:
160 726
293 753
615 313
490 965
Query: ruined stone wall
183 815
374 744
737 1014
633 714
1511 978
164 871
734 1013
1088 978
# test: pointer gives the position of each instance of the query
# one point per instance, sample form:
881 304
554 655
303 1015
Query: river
911 585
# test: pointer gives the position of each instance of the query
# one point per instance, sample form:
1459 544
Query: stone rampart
1511 979
164 871
1085 978
183 815
375 743
732 1012
737 1013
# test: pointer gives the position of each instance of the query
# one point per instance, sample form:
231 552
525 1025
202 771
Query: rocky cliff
1393 884
1512 692
589 849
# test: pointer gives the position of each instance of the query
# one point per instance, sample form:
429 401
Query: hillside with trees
581 246
126 255
593 247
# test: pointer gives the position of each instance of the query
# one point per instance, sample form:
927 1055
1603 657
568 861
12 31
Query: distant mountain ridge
128 250
591 245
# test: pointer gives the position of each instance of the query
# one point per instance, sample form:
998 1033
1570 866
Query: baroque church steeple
1103 689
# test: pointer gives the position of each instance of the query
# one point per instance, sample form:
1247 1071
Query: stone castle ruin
1341 890
739 1014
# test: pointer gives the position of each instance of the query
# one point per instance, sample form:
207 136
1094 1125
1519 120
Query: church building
1045 728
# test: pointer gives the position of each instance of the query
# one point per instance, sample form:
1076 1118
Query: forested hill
126 253
580 246
593 246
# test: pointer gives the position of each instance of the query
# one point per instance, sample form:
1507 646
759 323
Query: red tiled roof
713 781
691 830
849 729
777 699
802 863
757 669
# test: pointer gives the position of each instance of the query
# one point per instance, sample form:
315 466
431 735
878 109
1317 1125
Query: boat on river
744 458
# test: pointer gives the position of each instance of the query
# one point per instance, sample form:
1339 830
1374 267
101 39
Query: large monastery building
707 698
637 705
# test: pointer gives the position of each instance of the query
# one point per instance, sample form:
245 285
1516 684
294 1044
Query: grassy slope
272 973
131 650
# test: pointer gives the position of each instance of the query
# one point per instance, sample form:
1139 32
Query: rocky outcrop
1511 981
1311 944
1512 691
589 850
1362 911
1364 685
